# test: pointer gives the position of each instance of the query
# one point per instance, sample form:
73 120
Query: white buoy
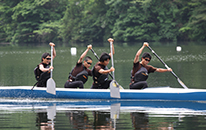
178 48
73 51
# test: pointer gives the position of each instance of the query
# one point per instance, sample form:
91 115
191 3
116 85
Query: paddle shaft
114 86
51 61
111 50
161 61
183 85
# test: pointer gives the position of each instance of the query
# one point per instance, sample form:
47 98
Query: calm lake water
18 63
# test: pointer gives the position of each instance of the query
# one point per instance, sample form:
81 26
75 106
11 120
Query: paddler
100 72
141 69
79 74
42 71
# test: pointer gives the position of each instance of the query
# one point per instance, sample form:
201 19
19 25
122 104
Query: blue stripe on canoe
103 94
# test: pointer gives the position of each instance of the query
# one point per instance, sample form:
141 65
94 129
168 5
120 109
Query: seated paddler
42 71
141 69
100 72
79 74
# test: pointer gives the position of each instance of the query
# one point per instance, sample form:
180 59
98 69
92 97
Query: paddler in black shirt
140 71
79 74
100 71
42 71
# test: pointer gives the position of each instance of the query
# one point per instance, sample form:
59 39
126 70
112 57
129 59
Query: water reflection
100 120
72 114
41 119
139 120
78 119
114 113
45 120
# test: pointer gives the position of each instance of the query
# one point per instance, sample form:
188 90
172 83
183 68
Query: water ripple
172 58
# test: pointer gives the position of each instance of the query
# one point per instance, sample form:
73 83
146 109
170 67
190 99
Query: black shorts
74 84
139 85
105 85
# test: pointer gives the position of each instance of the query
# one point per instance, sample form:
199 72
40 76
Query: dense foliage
93 21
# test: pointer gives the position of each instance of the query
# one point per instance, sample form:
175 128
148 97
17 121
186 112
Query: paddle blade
114 90
183 85
114 111
51 112
51 86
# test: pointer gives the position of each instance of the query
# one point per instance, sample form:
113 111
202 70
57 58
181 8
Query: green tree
7 26
195 27
147 20
94 21
85 22
31 21
49 27
71 22
95 26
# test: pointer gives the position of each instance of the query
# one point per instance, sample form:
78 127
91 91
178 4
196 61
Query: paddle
51 85
109 73
114 86
51 113
114 112
181 83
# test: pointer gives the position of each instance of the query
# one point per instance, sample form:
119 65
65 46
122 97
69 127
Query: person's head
146 57
87 61
46 58
105 58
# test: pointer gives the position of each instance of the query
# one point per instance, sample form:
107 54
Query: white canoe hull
161 93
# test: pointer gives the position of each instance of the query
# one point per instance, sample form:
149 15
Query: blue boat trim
161 93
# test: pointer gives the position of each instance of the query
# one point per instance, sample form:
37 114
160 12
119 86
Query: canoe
158 93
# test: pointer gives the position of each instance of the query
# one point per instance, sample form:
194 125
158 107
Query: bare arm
41 67
84 54
163 70
54 51
136 59
102 71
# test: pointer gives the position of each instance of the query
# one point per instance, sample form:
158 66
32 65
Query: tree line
94 21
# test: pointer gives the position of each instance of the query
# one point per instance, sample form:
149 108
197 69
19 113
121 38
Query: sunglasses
147 60
89 63
48 58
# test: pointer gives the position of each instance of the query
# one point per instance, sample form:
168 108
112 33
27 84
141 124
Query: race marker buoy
178 48
73 51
